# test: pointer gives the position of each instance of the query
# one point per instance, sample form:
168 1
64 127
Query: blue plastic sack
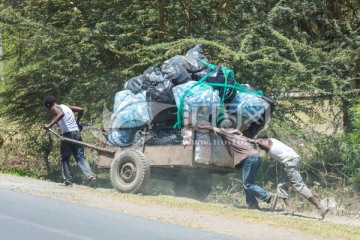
196 97
250 107
121 138
130 111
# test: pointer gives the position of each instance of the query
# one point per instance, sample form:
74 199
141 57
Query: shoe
273 200
322 212
91 182
236 203
67 184
288 211
254 206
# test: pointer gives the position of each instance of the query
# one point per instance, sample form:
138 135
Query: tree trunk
161 19
1 58
189 15
346 116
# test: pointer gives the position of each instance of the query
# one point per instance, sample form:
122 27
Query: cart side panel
105 159
170 155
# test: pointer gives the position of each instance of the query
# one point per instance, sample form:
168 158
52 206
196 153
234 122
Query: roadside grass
220 203
315 227
19 172
311 226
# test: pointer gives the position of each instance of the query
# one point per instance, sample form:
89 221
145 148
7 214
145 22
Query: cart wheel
196 186
130 171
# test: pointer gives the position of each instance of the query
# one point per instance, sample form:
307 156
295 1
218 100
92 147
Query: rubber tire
197 186
140 178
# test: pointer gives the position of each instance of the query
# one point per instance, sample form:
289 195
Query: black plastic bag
217 77
153 75
197 52
199 75
175 72
162 106
135 84
162 93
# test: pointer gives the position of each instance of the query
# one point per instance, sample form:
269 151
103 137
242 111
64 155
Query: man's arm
79 111
250 140
208 127
59 114
264 144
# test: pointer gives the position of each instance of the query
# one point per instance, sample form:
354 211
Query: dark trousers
250 166
66 149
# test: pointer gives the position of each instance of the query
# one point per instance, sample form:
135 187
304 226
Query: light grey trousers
293 177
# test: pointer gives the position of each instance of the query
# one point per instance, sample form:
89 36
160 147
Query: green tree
84 51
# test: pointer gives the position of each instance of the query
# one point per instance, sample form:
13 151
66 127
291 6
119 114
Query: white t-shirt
68 122
281 152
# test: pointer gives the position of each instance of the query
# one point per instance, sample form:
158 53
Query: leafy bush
27 153
355 180
352 157
326 162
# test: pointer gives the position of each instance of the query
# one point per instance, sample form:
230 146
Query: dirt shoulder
245 224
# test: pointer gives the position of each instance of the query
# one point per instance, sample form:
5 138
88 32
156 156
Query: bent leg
250 167
80 158
283 187
292 169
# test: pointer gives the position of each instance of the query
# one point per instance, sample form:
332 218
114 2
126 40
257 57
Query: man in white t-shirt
65 118
292 162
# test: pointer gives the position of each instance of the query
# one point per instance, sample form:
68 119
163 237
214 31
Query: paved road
24 216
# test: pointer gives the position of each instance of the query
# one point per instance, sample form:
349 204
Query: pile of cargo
182 91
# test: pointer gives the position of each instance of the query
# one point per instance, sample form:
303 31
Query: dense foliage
353 153
82 52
